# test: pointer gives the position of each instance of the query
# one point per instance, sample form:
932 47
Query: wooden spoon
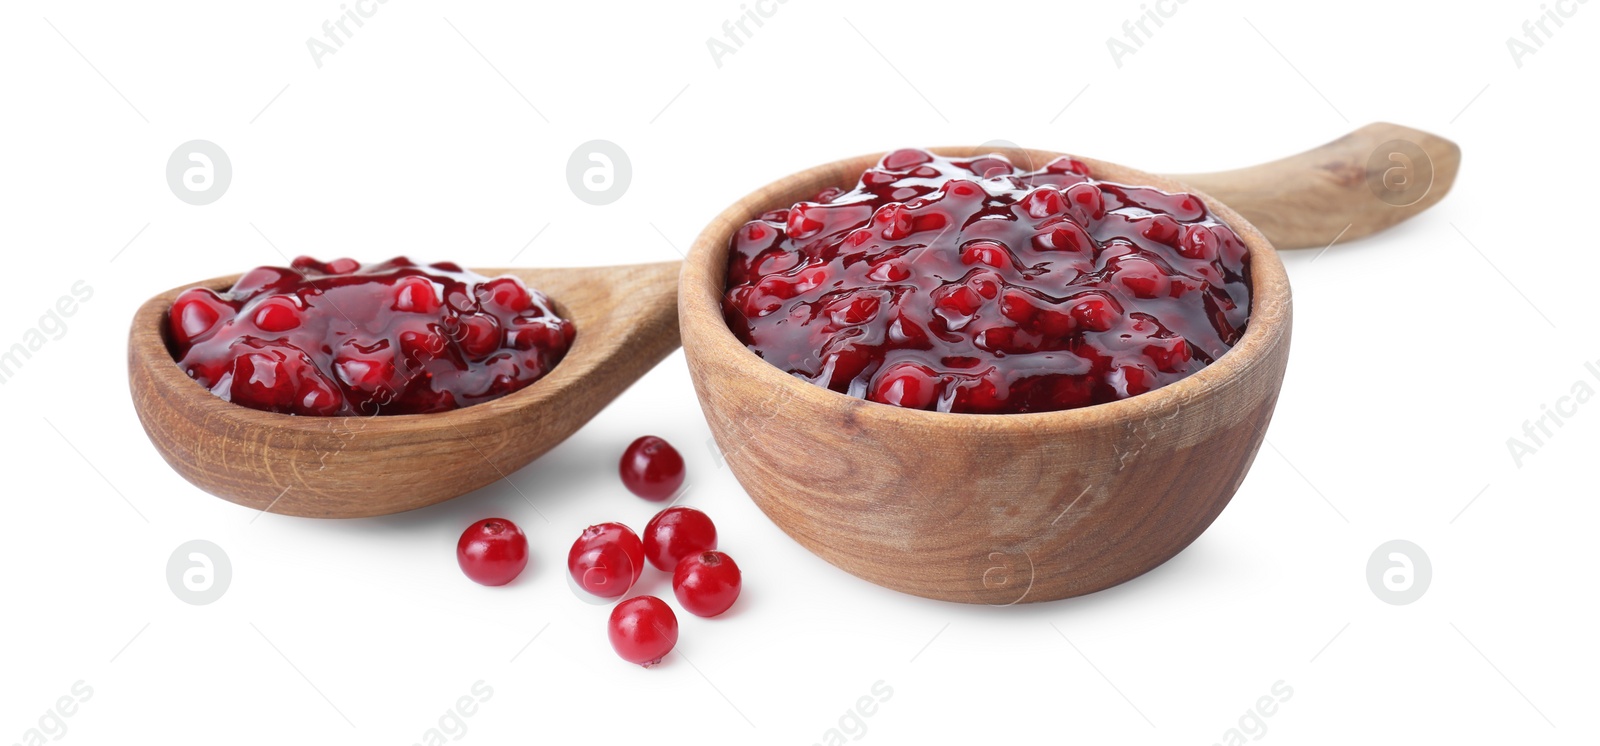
345 467
364 466
1355 186
1016 508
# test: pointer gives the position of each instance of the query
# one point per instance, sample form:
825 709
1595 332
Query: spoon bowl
1016 508
349 467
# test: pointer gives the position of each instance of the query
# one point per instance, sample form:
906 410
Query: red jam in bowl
342 338
967 285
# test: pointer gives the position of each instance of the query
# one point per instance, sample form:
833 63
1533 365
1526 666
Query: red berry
827 195
643 630
959 301
1016 306
1142 277
754 236
364 373
346 265
1043 202
479 336
1066 165
606 560
895 220
857 310
988 166
1096 312
1197 242
991 253
261 377
277 314
676 533
805 220
906 385
492 551
420 346
959 188
506 293
651 468
984 394
1132 380
415 295
1088 202
1162 229
905 158
196 314
706 584
1170 354
259 280
875 177
530 334
889 270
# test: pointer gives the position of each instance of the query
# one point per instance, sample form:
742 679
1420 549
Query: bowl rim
705 332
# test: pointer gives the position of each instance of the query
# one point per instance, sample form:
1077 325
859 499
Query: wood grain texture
995 509
344 467
1354 186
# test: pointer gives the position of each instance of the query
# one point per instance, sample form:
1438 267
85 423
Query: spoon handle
1354 186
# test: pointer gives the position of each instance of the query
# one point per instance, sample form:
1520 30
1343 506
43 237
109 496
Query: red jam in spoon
342 338
966 285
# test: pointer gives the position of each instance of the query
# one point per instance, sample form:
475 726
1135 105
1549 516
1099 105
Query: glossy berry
967 285
492 551
676 533
906 385
707 583
342 338
651 468
196 314
606 560
643 630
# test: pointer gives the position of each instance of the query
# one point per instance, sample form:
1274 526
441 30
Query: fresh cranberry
341 338
966 285
606 560
643 630
651 468
676 533
707 583
492 551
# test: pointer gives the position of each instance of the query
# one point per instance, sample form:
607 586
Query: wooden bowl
995 509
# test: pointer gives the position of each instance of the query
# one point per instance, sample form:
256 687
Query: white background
442 132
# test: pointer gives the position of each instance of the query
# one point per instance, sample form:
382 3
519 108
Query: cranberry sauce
966 285
343 338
